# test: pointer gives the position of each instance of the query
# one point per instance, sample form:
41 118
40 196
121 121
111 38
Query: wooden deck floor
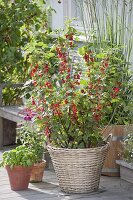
111 188
45 190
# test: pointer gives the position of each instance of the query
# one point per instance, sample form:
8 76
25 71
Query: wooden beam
12 85
1 133
12 113
0 96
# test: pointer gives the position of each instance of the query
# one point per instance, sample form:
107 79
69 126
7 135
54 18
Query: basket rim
103 147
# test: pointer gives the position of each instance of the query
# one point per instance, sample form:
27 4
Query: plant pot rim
49 146
42 162
18 166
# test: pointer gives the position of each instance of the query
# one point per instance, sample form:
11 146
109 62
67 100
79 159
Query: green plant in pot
71 100
29 135
19 163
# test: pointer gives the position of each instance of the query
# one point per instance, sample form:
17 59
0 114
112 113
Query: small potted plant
126 164
19 163
29 135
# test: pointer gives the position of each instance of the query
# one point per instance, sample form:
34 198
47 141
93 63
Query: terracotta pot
37 171
19 177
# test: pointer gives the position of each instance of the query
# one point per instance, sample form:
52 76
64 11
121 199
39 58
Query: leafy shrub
19 22
21 155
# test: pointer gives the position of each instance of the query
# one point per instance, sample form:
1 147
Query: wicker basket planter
78 170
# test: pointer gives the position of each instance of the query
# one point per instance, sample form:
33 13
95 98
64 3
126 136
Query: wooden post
110 168
1 132
0 96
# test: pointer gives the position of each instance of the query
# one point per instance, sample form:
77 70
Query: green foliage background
20 21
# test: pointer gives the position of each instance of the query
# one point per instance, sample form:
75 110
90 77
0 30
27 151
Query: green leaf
115 100
81 51
101 55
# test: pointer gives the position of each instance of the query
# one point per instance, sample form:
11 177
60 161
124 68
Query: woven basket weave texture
78 170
